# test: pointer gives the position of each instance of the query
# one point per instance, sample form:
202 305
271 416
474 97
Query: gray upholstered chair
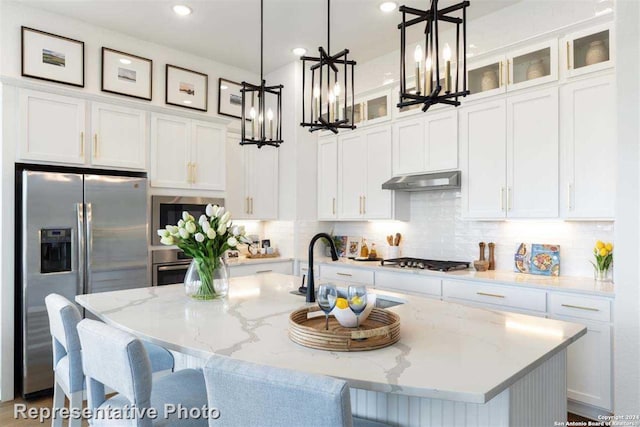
118 360
64 317
248 395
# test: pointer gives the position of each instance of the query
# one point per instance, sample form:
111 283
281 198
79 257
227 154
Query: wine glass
327 297
357 297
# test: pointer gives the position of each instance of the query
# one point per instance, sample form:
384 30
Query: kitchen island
453 365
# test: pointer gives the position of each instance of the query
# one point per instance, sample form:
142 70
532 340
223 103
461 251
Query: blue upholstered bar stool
118 360
251 395
64 317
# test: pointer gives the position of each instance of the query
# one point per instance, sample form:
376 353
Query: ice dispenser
55 250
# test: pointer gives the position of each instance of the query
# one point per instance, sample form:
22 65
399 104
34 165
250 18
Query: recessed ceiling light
388 6
187 102
224 87
299 51
182 10
125 61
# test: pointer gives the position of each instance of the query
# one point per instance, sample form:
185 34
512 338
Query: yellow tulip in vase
603 252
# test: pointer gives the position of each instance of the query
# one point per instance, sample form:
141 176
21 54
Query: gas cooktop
425 264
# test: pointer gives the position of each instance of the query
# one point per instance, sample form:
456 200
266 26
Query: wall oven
168 266
167 210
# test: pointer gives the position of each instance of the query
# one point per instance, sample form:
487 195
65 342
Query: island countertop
446 350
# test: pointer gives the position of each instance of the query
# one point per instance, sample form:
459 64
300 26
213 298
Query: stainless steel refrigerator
80 233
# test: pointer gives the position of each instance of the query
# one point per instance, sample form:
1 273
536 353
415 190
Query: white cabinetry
588 117
252 181
588 50
364 164
510 156
52 128
187 153
283 267
119 136
327 177
426 144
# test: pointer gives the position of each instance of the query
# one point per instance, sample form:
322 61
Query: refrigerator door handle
80 251
89 245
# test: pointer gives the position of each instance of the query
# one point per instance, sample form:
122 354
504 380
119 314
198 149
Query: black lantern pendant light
326 107
263 126
428 89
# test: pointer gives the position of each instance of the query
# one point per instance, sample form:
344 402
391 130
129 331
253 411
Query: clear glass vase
207 278
602 275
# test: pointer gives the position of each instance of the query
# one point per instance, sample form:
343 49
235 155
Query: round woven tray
381 329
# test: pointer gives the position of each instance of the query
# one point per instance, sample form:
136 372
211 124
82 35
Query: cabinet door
351 175
408 147
483 154
170 152
532 154
262 176
533 65
589 50
236 197
52 128
207 156
487 77
119 137
589 378
441 141
378 108
377 203
327 178
588 121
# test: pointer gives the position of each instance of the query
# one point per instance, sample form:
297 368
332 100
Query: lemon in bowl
346 317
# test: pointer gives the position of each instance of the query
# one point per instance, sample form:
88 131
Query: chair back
115 359
64 317
247 394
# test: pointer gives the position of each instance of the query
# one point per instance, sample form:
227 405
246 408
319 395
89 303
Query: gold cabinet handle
579 307
568 57
251 200
569 191
508 72
484 294
364 205
501 198
509 201
263 271
334 206
95 145
344 274
82 144
500 75
189 173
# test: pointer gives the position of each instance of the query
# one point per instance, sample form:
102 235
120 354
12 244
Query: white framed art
126 74
186 88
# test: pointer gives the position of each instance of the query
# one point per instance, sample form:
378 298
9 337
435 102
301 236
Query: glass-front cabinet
532 65
486 77
369 109
588 51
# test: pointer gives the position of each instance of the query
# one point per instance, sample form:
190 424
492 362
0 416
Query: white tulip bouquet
206 242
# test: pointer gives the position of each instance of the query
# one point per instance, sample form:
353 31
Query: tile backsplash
437 230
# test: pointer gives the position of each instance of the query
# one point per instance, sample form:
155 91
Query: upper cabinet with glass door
588 50
516 69
369 109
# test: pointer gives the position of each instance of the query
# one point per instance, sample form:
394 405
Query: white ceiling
228 30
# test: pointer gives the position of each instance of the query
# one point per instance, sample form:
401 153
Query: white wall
12 16
627 315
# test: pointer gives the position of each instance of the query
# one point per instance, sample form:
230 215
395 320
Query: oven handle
173 267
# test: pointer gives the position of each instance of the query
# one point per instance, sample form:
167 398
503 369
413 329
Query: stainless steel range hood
425 182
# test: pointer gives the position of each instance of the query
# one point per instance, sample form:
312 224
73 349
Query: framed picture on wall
186 88
353 246
229 98
126 74
51 57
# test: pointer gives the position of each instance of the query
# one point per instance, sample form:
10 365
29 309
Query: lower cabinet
285 267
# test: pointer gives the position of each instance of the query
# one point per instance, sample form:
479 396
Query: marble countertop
446 350
582 285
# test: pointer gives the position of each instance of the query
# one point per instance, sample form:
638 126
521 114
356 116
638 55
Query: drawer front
581 307
342 274
249 270
520 298
409 283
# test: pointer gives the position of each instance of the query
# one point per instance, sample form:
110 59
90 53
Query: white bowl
347 318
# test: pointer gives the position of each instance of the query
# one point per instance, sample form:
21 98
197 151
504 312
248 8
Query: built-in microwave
167 210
